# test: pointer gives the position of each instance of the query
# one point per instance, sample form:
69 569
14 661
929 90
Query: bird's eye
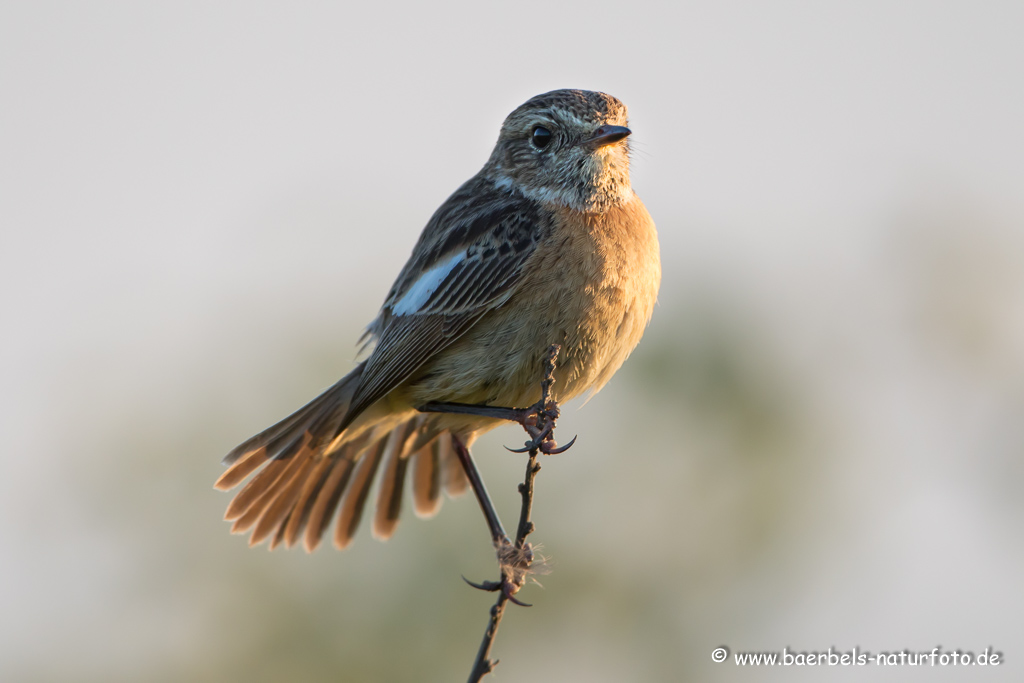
541 137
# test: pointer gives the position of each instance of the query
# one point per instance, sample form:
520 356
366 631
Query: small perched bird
547 244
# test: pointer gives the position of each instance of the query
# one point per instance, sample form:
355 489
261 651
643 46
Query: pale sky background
819 443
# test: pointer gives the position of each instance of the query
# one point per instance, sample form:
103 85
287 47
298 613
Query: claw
525 449
513 598
556 451
489 586
506 587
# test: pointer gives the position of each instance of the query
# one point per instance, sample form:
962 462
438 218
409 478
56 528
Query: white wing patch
426 285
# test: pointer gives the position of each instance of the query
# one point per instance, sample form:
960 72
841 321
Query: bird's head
565 147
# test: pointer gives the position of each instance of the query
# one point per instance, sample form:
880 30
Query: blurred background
818 444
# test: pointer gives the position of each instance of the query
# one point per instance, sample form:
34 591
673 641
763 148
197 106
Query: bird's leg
498 534
519 415
538 420
513 560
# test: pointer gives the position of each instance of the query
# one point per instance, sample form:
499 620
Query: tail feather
389 499
327 502
299 515
274 514
426 480
257 486
301 478
285 427
260 504
280 439
290 443
236 474
455 481
355 497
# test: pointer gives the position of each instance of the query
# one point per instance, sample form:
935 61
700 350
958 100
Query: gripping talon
562 449
513 598
506 587
525 449
489 586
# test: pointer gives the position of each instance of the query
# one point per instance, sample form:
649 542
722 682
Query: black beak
606 135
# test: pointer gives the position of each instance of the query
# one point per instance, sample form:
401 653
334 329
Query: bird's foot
515 563
539 422
508 588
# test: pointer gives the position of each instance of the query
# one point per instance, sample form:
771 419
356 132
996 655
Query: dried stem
515 559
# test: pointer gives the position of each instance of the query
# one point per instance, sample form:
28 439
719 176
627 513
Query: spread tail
304 477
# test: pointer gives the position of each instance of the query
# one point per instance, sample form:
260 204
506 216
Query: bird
547 243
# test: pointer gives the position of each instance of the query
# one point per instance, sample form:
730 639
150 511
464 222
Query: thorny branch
515 558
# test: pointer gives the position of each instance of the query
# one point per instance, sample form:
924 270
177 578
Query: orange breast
591 287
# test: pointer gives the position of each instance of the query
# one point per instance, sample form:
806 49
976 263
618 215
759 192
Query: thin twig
515 559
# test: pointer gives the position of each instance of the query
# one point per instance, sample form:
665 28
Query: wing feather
497 232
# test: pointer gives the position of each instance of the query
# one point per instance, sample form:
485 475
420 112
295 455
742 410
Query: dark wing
467 261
